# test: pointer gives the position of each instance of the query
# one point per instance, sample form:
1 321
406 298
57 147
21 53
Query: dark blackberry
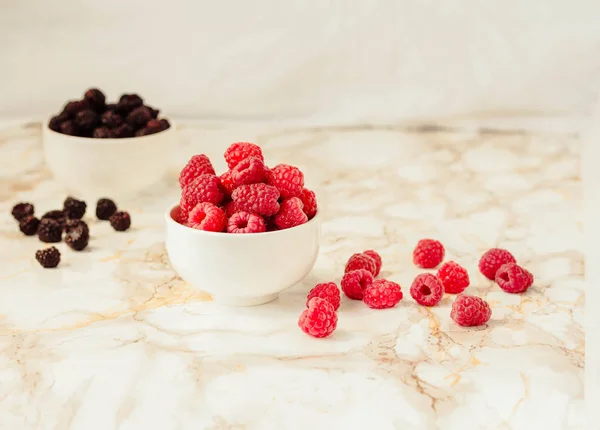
95 98
153 112
75 106
29 225
69 128
120 221
56 215
154 125
48 258
165 123
76 223
103 133
138 117
105 208
21 210
78 235
87 120
127 103
110 106
57 120
49 230
74 208
123 131
111 119
144 132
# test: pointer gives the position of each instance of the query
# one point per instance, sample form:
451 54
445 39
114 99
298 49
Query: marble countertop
113 339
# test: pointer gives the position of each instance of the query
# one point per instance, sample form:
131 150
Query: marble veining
114 339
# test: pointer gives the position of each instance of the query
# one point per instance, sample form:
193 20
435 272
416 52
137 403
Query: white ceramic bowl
242 269
108 167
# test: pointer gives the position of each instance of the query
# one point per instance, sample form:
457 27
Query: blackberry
153 112
102 133
74 208
154 125
74 223
78 235
49 230
95 98
110 106
139 117
87 120
21 210
105 208
120 221
75 106
69 128
123 131
111 119
57 120
29 225
127 103
144 132
58 216
48 258
165 123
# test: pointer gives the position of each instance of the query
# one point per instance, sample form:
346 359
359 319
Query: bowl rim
170 221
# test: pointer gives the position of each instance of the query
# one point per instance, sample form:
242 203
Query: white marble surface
113 339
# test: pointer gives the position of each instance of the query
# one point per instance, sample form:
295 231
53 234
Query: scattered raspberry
250 170
355 282
78 235
207 217
56 215
327 291
244 222
48 258
227 182
491 261
512 278
454 277
240 150
29 225
361 261
120 221
309 200
382 294
289 180
105 208
198 165
21 210
428 253
260 199
427 289
376 258
49 230
470 311
290 214
204 189
319 320
74 208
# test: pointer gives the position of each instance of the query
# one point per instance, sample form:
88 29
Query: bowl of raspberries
244 235
95 147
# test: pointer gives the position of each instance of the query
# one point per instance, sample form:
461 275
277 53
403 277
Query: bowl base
244 301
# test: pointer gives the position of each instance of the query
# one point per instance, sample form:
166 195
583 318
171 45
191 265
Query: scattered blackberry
48 258
124 130
57 120
74 223
29 225
56 215
105 208
86 120
69 128
120 221
49 230
127 103
21 210
74 208
103 133
75 106
139 116
111 119
78 235
95 98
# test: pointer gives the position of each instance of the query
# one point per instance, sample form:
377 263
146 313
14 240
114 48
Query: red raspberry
227 182
382 294
491 261
260 199
230 208
244 222
320 319
454 277
289 180
198 165
207 217
512 278
184 212
376 258
354 283
470 311
250 170
309 200
240 150
361 261
328 291
203 189
290 214
427 289
428 253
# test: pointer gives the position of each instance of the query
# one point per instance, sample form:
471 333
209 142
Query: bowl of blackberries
93 147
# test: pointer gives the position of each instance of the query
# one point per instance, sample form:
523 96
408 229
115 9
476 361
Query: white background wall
326 61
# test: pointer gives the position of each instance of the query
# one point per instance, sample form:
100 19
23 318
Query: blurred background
326 62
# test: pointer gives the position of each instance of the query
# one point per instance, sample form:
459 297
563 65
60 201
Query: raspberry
376 258
198 165
207 217
29 225
361 261
355 282
512 278
454 277
290 214
289 180
48 258
260 199
382 294
230 208
78 235
227 182
240 150
309 200
428 253
244 222
470 311
427 289
327 291
22 210
319 320
250 170
74 208
120 221
204 189
49 230
105 208
491 261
